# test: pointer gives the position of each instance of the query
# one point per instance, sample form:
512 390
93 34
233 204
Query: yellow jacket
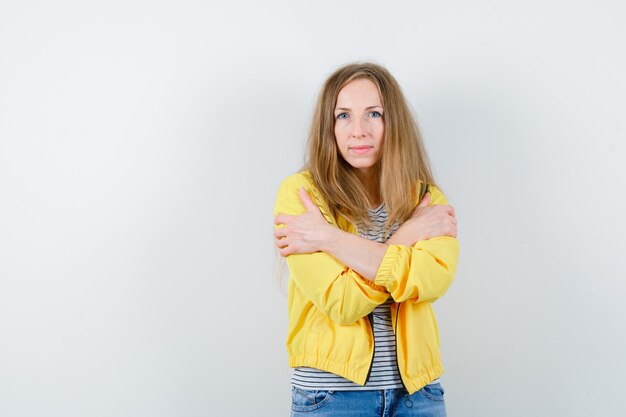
329 303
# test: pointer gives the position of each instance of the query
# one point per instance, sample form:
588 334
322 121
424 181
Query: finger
282 218
278 233
448 231
449 210
425 201
285 251
306 200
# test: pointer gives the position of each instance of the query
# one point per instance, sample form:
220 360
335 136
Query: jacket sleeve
336 290
424 271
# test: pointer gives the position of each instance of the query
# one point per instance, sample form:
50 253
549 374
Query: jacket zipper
395 333
370 319
423 192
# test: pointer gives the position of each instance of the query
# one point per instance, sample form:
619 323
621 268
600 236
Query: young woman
370 243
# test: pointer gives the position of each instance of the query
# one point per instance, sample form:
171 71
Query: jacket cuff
373 285
384 275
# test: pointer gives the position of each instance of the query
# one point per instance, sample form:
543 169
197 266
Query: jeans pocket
433 392
303 400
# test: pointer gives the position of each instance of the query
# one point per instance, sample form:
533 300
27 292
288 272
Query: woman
370 243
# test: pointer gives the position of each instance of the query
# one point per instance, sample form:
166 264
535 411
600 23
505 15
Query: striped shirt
384 372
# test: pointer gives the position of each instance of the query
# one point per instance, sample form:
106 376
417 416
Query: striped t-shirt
384 372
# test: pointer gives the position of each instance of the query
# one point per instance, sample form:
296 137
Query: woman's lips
360 150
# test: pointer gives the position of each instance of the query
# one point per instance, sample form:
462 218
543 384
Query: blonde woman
370 243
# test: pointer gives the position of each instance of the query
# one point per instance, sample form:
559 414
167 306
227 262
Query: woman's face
359 125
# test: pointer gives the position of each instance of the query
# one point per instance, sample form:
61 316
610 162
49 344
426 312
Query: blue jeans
427 402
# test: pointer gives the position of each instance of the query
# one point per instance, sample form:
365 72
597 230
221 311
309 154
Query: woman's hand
426 222
304 233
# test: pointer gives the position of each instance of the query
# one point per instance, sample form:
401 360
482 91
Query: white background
142 144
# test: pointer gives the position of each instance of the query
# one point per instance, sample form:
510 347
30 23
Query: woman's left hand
304 233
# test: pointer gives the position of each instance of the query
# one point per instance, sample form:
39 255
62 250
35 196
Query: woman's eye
376 114
342 116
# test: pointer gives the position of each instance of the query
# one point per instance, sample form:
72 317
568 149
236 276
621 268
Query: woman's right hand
425 223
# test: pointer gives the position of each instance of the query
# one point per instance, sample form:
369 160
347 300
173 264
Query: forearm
360 254
401 237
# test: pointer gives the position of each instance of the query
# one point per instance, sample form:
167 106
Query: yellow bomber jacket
329 303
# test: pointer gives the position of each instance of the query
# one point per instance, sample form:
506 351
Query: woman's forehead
359 93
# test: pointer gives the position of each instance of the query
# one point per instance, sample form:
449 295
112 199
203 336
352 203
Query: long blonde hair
403 162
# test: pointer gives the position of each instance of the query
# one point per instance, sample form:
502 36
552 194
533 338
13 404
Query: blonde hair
403 162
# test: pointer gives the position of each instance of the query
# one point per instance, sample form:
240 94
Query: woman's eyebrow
367 108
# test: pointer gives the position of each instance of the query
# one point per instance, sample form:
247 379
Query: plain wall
142 144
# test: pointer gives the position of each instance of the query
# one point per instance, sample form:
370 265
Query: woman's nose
358 127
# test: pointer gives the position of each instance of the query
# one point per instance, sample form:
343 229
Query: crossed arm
309 232
347 276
